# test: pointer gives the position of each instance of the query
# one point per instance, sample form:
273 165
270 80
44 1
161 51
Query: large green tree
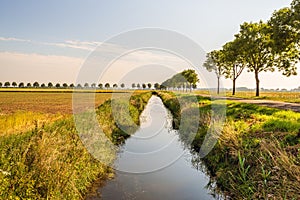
258 52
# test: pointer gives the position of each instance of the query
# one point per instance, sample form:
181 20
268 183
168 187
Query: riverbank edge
50 161
114 133
253 158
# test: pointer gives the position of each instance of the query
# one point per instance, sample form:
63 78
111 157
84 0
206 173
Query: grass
257 155
291 97
42 156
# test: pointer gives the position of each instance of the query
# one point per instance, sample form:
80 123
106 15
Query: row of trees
260 47
85 85
185 79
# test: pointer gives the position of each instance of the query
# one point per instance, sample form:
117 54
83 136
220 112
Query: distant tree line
260 47
85 85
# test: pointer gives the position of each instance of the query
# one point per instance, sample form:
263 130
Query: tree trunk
233 86
257 84
218 89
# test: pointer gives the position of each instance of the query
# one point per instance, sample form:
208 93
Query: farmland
42 155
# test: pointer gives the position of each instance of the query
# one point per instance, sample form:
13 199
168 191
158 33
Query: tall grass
257 155
48 160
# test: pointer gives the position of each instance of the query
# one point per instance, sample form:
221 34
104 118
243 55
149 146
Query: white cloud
74 44
89 46
13 39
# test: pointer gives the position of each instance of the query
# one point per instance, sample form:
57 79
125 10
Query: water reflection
154 163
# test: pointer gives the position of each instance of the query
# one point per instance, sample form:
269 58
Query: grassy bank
257 155
291 97
43 157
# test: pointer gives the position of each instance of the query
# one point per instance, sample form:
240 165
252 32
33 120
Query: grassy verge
257 155
48 160
291 97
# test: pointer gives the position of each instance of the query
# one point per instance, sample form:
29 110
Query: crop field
44 102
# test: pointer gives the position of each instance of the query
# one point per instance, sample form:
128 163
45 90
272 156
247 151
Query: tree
36 84
28 85
138 86
107 85
72 85
122 85
115 85
86 85
43 85
100 85
50 85
149 85
7 84
57 85
144 85
258 51
21 85
14 84
157 86
65 85
133 85
79 85
93 85
0 84
285 35
215 63
233 64
191 77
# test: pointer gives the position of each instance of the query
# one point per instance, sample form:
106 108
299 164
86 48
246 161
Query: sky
51 41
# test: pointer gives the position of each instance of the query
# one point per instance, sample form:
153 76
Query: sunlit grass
257 155
42 156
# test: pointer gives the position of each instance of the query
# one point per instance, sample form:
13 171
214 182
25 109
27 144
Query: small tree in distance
149 85
57 85
7 84
122 85
21 85
107 85
157 86
28 85
100 85
50 85
36 84
14 84
133 85
144 85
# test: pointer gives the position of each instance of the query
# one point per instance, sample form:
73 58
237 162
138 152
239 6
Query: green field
257 155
